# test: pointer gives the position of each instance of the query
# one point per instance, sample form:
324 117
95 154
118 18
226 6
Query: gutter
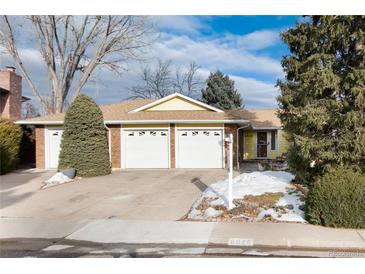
266 128
115 122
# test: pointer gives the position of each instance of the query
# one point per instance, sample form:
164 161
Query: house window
273 139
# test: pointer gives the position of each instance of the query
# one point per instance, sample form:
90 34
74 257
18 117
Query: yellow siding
272 154
249 144
145 125
200 125
176 104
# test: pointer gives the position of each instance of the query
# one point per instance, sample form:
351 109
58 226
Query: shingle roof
259 118
120 112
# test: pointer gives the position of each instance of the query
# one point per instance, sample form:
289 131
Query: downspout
238 143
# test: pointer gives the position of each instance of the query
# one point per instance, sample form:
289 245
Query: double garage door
150 148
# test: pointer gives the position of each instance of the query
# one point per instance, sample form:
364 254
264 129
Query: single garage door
146 148
200 149
53 147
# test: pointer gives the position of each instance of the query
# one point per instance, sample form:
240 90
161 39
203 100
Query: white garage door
146 148
54 147
200 149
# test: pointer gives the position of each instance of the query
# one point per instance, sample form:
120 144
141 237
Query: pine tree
220 92
322 101
84 144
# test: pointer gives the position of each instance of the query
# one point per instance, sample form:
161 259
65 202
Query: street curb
286 235
220 234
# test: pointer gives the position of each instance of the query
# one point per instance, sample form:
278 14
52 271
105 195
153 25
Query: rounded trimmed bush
84 144
337 199
10 137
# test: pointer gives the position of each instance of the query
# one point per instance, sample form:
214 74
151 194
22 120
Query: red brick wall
115 145
231 128
11 105
39 147
172 146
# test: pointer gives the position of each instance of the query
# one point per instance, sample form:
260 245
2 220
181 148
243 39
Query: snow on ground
57 179
287 209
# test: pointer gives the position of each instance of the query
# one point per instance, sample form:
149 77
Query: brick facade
11 102
231 128
39 147
172 146
115 145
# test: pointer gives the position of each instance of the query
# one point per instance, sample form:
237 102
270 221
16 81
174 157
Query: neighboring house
173 132
11 98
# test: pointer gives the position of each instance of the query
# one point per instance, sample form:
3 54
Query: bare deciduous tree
73 46
188 83
160 81
157 83
29 111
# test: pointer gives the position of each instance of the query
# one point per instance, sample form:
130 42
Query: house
173 132
11 98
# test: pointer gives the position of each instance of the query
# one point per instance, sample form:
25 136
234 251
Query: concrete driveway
129 194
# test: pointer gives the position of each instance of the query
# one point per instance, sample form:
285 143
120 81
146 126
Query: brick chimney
10 93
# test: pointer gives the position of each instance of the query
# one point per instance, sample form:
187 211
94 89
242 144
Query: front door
261 144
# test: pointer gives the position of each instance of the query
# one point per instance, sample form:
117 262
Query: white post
230 171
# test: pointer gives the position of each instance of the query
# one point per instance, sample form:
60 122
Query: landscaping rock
290 207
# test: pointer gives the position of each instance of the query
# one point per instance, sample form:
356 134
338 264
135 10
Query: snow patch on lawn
255 183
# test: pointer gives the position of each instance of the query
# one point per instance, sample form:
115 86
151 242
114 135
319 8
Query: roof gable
176 102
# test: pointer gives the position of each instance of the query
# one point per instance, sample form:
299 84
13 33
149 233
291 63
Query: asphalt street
63 248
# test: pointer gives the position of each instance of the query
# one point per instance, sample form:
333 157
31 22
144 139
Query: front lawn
258 196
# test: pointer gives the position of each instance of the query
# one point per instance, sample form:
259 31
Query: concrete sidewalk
287 235
275 235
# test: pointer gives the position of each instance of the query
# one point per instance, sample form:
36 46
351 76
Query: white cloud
213 54
255 93
255 40
181 24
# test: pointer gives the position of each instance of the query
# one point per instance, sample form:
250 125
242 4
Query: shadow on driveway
13 186
8 198
16 178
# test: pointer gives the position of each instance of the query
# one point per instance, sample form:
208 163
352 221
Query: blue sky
248 48
254 35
